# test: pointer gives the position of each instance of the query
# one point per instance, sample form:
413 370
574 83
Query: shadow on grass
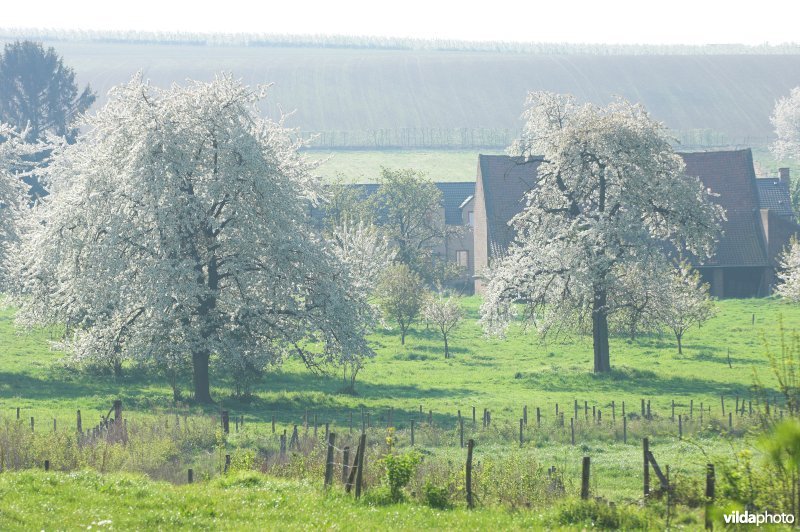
630 381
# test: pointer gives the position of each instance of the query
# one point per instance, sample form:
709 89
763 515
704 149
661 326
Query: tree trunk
402 335
202 391
679 337
602 361
446 352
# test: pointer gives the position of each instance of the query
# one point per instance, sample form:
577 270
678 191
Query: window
471 218
462 258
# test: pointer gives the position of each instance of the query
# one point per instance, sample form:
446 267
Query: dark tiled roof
773 194
727 173
730 174
453 195
505 182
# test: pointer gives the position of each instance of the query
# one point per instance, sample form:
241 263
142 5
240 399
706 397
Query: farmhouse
759 221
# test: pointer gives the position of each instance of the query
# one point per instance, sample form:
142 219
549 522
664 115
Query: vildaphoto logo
758 519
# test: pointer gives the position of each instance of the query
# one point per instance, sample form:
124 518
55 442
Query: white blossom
609 184
687 301
786 119
789 273
179 223
445 313
12 190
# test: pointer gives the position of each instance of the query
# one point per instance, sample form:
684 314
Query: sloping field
372 89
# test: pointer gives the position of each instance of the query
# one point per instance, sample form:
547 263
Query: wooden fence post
710 478
360 471
117 411
643 411
538 417
329 461
730 420
613 412
576 409
474 424
461 431
345 463
722 401
646 450
32 429
226 426
525 414
673 410
227 462
572 430
47 465
273 423
691 408
55 429
521 421
625 430
18 413
680 427
191 476
649 414
80 425
585 478
470 447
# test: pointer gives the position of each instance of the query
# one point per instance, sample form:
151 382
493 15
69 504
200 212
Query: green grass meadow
721 358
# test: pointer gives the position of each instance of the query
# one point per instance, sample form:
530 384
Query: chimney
784 173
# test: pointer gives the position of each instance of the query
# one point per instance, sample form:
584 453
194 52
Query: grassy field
502 375
363 166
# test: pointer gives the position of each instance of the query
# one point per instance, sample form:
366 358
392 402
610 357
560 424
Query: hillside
425 97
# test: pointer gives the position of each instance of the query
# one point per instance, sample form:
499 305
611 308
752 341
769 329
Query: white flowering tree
786 120
789 273
608 185
178 225
445 313
12 190
687 301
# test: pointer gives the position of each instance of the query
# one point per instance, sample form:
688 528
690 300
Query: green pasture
503 375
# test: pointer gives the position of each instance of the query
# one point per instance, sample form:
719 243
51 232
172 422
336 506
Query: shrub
399 470
436 497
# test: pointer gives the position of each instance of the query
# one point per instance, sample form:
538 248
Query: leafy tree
687 302
789 274
608 184
346 204
445 313
408 207
400 295
38 93
786 119
180 220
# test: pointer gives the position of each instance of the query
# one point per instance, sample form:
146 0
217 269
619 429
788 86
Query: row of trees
390 43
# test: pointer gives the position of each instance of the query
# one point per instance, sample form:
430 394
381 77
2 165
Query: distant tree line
387 43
